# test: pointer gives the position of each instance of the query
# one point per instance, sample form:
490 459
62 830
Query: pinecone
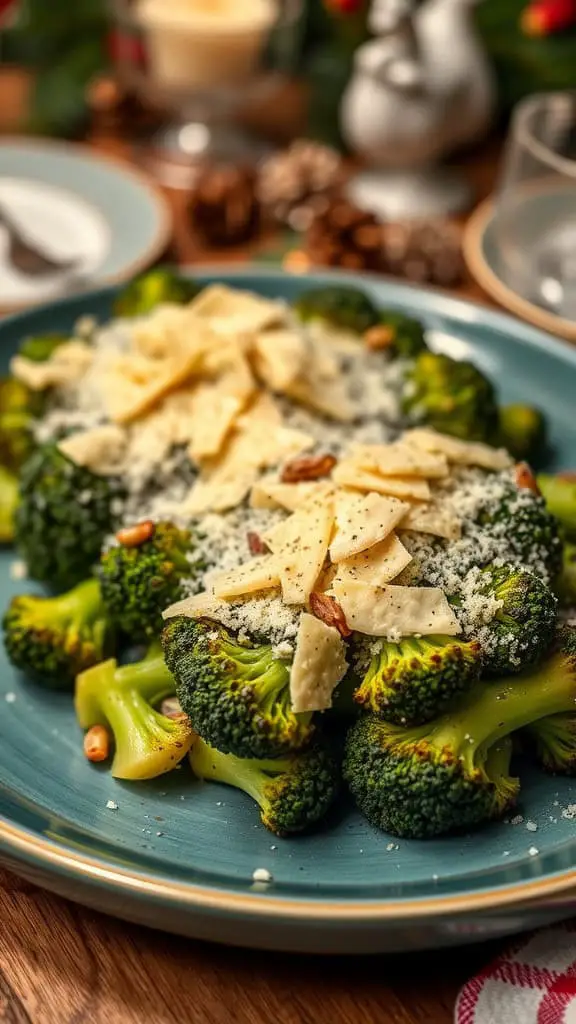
342 235
293 181
224 209
425 252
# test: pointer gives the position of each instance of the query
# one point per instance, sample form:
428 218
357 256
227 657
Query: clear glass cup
535 217
204 62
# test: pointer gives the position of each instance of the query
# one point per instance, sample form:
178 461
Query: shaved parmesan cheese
399 460
434 520
384 611
349 474
67 365
230 310
378 565
259 574
201 606
101 450
300 545
269 492
363 521
319 665
466 453
279 357
213 414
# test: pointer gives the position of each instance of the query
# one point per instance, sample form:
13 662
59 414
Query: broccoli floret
411 682
338 306
453 398
138 583
18 408
559 493
143 294
293 792
64 515
39 348
523 431
554 743
565 584
453 773
408 339
523 625
53 639
237 695
531 530
147 743
8 504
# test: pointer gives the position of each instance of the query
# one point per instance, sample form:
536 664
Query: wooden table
61 964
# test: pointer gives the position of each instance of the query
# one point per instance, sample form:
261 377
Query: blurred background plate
180 855
482 254
98 221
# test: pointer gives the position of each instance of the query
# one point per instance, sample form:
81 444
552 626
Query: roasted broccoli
522 430
565 585
524 620
453 398
408 339
8 505
147 743
531 531
293 792
554 742
64 515
143 294
412 681
237 695
139 583
53 639
559 493
18 408
453 773
40 347
339 306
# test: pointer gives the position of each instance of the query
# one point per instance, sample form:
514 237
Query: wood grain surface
61 964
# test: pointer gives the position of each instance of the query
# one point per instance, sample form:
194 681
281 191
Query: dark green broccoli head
523 625
9 498
338 306
293 792
64 515
559 493
147 743
523 431
412 681
139 583
236 695
453 398
565 584
408 334
143 294
39 348
554 743
453 773
53 639
530 529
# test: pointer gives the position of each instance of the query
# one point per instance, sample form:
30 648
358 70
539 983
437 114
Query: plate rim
36 143
475 233
23 847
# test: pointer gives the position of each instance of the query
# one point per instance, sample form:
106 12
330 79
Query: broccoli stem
560 496
151 677
8 504
248 775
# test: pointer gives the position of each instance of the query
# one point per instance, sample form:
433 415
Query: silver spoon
28 258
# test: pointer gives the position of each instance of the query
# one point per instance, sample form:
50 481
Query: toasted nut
329 611
171 708
308 467
525 478
256 545
97 744
380 338
134 536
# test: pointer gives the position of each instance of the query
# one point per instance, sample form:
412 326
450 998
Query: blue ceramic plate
180 855
97 219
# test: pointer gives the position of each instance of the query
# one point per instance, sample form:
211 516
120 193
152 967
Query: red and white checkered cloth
534 982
